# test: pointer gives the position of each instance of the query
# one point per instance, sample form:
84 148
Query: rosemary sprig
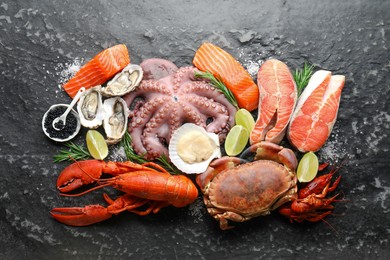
163 160
218 84
75 152
302 77
129 151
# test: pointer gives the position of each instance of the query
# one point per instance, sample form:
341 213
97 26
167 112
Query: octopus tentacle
210 108
148 89
155 130
138 123
192 115
202 88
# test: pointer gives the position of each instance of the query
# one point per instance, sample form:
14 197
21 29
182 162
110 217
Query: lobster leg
155 207
88 215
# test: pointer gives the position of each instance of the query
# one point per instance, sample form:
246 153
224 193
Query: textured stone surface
39 42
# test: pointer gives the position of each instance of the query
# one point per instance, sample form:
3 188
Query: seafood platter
194 129
208 130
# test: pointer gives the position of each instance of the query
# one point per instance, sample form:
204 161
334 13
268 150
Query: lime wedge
96 145
236 140
307 167
244 118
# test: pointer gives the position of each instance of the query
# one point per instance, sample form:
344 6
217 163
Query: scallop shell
196 167
90 108
115 120
124 82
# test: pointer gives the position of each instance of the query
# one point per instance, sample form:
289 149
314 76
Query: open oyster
90 108
124 82
115 120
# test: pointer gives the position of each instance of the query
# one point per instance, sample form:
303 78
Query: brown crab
238 192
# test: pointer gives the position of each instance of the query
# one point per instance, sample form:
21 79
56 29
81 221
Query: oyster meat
115 120
124 82
90 108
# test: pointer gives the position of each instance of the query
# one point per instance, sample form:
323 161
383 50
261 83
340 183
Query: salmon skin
278 96
99 69
316 111
222 65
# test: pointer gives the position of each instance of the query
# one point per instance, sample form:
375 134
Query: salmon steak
278 96
222 65
316 111
99 69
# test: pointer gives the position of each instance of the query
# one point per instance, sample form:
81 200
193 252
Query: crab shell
239 193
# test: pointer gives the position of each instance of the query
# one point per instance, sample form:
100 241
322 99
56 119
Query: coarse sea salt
117 154
65 71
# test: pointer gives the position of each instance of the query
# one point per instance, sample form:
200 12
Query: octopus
169 97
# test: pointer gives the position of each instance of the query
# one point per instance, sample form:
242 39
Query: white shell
124 82
115 120
90 108
197 167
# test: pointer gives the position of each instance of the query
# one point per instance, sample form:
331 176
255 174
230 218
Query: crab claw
78 174
79 217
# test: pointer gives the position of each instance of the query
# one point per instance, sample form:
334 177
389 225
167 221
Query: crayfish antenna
332 227
78 165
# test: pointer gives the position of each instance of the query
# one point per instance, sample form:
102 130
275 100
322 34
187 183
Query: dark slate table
42 41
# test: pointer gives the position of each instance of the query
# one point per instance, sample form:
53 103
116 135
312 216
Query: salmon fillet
99 69
222 65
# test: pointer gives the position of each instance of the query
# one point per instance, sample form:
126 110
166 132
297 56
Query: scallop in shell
191 148
115 120
90 108
124 82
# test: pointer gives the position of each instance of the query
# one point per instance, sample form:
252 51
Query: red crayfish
147 185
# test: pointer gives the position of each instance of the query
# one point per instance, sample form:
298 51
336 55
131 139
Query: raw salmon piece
278 96
316 111
98 70
221 64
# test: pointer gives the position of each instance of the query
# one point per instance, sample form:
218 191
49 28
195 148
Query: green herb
163 160
75 152
218 84
302 77
129 151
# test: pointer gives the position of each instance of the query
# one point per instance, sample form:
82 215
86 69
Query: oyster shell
115 120
191 148
90 108
124 82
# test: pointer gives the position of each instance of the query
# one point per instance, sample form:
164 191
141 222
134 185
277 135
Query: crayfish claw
77 216
79 174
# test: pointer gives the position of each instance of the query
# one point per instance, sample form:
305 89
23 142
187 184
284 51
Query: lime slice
236 140
307 167
96 144
244 118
